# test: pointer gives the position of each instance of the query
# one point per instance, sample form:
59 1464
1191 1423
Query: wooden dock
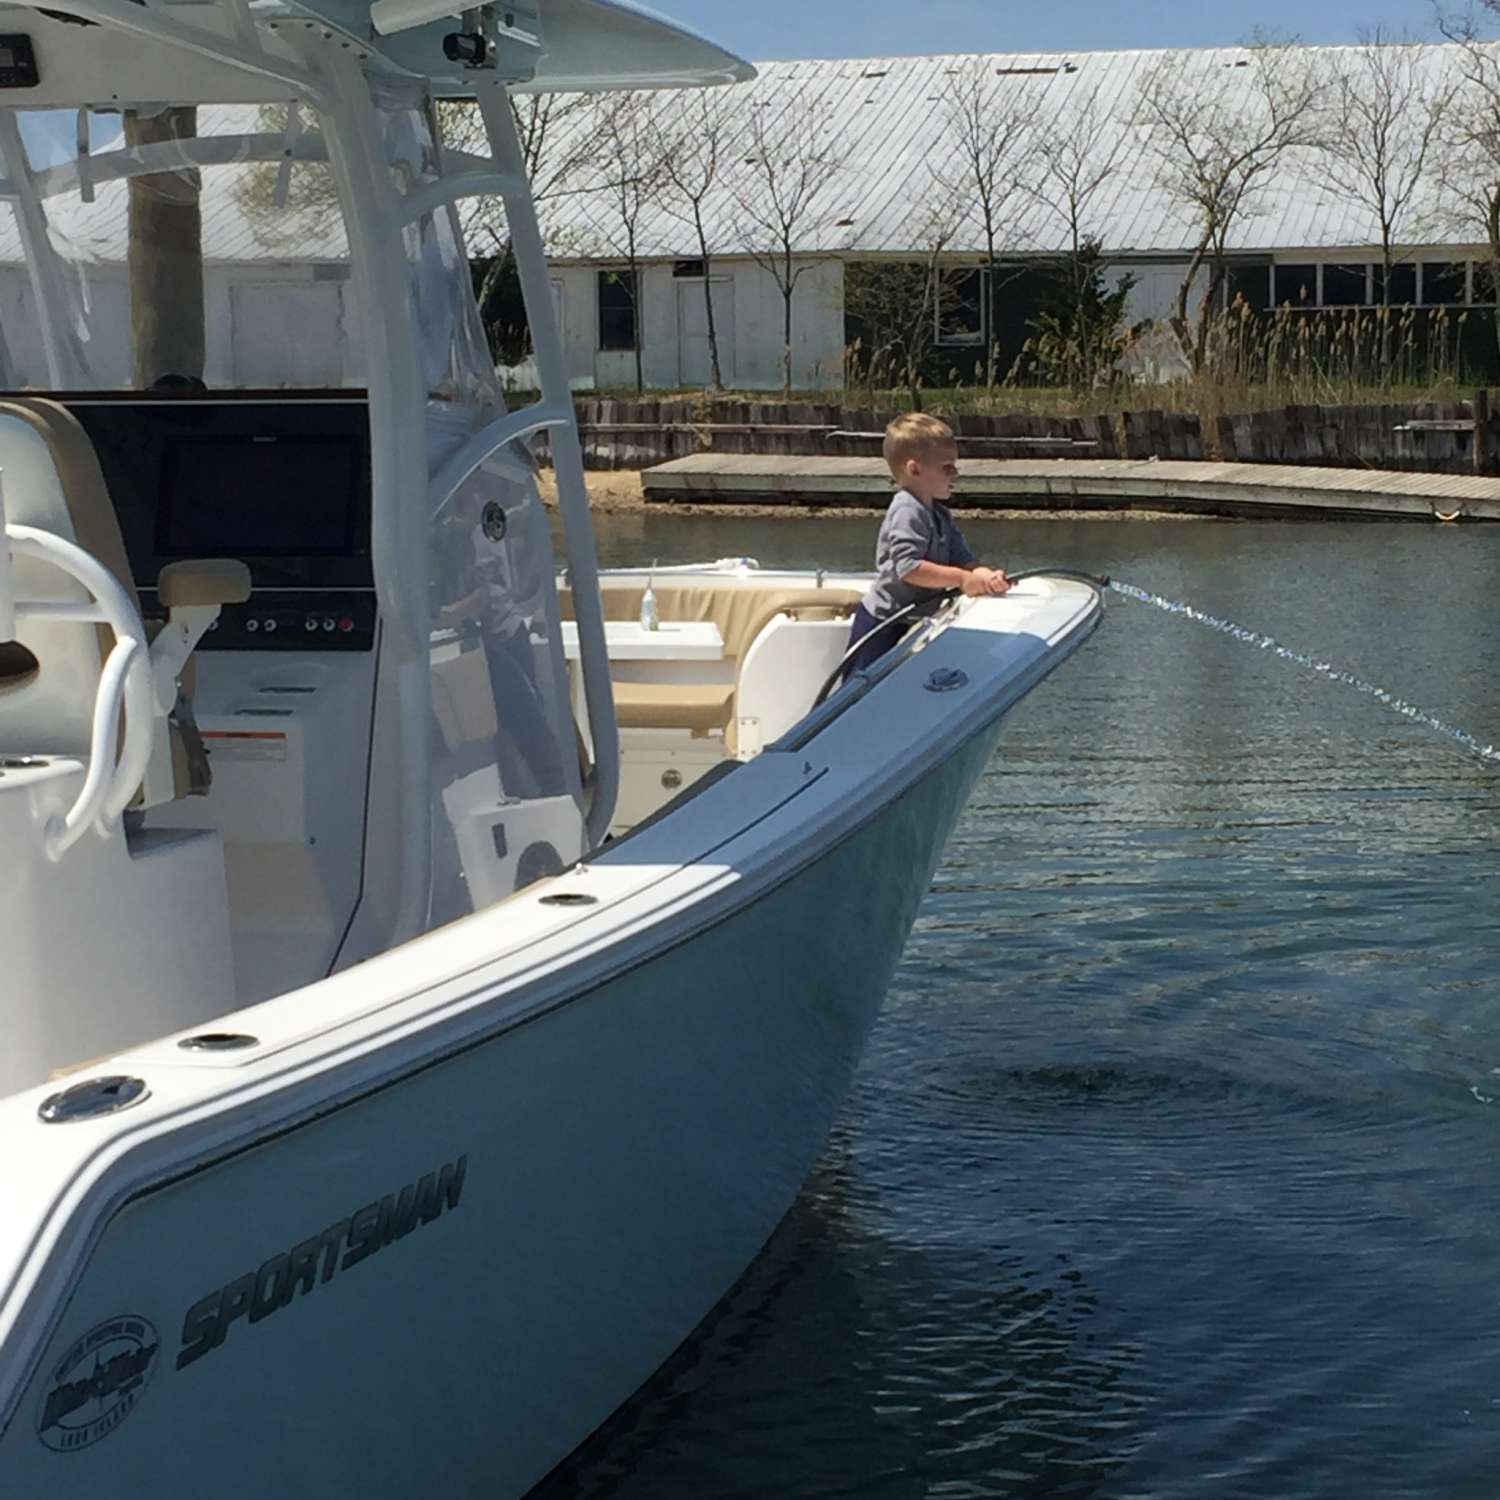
1225 489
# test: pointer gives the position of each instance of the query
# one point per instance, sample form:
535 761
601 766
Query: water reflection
900 1388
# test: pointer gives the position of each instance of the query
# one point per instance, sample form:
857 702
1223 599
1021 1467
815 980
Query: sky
864 28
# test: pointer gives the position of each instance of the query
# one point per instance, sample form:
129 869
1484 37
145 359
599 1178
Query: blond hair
915 435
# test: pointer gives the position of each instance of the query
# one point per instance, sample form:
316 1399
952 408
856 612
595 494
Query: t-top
912 533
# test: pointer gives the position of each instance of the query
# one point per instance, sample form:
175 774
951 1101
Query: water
1303 659
1171 1170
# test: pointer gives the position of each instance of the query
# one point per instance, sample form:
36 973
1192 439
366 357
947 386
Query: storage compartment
655 765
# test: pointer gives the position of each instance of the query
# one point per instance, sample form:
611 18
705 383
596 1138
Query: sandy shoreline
619 492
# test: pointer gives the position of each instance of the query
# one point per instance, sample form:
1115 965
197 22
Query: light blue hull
580 1190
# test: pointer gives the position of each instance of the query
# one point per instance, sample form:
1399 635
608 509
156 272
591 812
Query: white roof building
892 164
886 165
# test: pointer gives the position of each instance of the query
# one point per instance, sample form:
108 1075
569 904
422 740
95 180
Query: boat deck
1229 489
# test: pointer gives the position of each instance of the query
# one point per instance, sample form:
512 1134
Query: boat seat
701 707
55 484
740 612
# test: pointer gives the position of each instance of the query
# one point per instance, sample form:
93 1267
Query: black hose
864 640
1098 581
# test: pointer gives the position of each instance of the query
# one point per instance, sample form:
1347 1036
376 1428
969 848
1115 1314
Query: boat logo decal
312 1263
97 1383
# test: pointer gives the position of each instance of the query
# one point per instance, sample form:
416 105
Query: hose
1094 580
901 614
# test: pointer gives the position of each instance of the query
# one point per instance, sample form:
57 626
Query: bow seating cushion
740 611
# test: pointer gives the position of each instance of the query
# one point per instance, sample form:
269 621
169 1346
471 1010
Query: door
694 364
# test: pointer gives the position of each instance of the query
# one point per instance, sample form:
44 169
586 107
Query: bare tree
789 161
629 184
1470 163
1216 142
694 153
1388 107
1075 159
560 137
897 303
991 127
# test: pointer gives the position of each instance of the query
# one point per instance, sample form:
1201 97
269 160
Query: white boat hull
444 1283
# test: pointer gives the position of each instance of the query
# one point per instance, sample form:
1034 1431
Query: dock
1223 489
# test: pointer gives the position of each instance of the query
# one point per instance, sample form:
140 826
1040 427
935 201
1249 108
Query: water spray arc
1312 664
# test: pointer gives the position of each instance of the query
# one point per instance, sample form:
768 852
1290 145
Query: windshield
205 247
166 246
197 270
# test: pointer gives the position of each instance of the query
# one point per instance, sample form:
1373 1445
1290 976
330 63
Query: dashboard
282 483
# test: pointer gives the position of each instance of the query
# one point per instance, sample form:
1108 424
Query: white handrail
466 184
567 457
62 833
490 438
124 682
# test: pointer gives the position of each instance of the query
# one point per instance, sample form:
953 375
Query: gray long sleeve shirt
912 533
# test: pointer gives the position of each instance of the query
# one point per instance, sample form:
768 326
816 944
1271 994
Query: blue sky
860 28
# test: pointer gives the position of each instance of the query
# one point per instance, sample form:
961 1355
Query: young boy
920 551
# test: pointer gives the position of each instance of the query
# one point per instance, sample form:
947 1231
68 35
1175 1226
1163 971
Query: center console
279 483
285 681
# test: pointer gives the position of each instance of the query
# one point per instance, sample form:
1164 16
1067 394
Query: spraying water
1312 664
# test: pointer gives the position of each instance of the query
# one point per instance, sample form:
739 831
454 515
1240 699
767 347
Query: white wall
752 358
290 307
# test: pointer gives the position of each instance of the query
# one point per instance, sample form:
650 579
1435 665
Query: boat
425 986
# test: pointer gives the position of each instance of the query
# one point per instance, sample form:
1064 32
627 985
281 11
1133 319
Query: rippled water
1171 1170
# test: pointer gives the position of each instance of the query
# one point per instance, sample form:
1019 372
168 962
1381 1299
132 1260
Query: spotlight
467 47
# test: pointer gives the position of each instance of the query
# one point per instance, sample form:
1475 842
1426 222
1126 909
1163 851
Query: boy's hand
986 581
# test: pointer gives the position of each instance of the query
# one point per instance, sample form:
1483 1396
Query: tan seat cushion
740 612
95 524
463 698
701 707
97 530
203 581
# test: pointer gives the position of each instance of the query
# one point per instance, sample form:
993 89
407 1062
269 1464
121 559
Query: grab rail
567 458
124 682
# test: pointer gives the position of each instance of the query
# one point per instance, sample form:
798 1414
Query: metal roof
881 126
886 132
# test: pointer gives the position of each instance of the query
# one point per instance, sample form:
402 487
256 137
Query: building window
960 307
688 269
1403 286
1445 283
617 320
1346 286
1296 286
1486 283
1250 284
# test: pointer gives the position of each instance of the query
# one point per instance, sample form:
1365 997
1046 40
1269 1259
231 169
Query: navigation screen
259 497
